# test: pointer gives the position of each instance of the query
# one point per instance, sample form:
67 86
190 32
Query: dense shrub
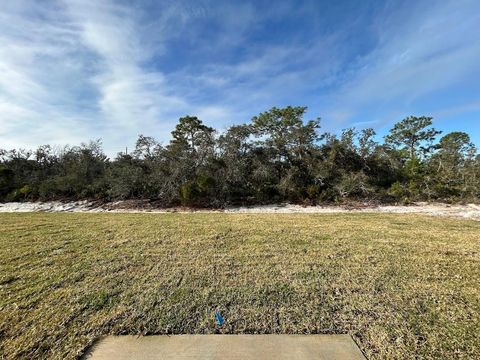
277 157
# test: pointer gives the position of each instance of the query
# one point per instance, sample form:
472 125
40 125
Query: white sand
50 206
470 211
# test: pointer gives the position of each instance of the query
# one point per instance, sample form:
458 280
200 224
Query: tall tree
452 164
285 131
193 135
235 154
289 144
453 150
189 155
413 135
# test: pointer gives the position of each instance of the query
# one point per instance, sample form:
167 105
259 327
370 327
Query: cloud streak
420 53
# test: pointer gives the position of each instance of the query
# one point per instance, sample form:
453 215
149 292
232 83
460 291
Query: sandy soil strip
469 211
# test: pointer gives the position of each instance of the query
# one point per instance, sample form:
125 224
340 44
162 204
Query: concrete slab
231 347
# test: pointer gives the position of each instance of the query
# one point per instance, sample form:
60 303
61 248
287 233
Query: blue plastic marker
219 318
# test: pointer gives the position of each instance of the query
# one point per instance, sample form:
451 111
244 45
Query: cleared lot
403 286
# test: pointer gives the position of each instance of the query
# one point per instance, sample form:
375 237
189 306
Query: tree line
276 157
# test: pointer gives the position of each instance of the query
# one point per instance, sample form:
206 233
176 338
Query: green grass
404 286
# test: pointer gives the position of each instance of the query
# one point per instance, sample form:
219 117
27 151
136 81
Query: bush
353 186
187 193
399 193
6 181
19 194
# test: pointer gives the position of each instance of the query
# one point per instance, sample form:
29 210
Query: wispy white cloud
73 71
130 98
430 48
38 76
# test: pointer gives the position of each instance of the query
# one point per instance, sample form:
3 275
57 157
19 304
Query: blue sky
76 70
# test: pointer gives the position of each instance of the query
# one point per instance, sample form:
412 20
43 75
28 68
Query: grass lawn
404 286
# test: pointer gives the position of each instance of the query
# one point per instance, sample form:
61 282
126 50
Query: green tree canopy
414 135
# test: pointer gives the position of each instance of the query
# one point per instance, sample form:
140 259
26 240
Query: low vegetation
404 286
277 157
